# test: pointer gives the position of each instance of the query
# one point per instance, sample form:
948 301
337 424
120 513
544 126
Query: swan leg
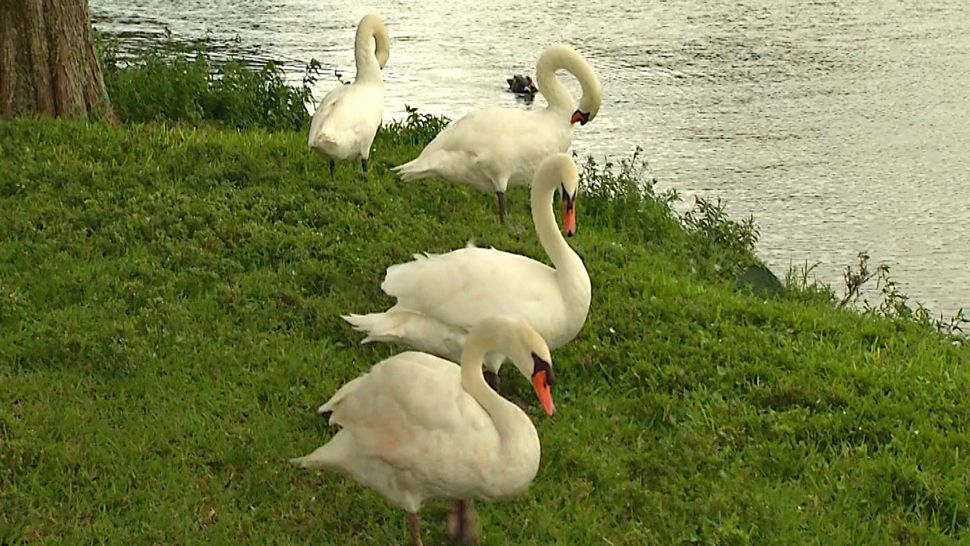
501 205
414 529
492 379
461 524
363 167
333 168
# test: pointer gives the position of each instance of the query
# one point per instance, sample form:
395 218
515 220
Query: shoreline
832 253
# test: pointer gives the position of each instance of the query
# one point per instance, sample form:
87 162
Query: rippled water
839 125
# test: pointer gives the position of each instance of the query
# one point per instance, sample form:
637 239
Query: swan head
589 103
371 29
562 56
559 171
528 351
381 49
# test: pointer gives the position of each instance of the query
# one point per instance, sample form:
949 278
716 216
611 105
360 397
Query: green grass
169 302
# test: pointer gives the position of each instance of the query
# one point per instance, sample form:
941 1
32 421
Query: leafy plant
416 129
855 279
892 302
622 179
181 82
709 221
725 244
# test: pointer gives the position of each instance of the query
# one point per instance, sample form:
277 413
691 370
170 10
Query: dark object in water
522 85
760 280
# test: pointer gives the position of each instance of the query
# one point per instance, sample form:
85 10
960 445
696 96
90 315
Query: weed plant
180 82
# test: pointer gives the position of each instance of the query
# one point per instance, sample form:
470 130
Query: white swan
347 119
417 427
495 147
441 297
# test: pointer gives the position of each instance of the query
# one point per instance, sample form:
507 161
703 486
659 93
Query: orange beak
581 117
544 392
569 217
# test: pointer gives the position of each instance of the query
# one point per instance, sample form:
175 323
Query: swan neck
560 57
544 218
472 380
370 46
553 90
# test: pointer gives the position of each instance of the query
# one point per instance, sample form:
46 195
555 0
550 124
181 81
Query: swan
492 148
440 297
417 427
345 122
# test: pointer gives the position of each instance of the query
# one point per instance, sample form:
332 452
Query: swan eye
567 199
540 365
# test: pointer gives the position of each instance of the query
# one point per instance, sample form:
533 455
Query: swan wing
347 120
406 404
463 287
478 129
323 111
492 144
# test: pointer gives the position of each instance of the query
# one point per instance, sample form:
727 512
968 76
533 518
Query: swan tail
412 170
412 328
330 455
318 459
327 143
389 326
338 397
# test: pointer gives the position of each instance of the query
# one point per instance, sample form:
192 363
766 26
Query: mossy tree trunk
48 62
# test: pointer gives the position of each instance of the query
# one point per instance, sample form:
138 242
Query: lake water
839 125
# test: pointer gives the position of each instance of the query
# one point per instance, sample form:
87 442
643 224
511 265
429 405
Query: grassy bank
169 302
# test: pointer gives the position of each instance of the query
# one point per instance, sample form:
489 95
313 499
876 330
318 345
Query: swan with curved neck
441 297
495 147
563 57
346 121
417 427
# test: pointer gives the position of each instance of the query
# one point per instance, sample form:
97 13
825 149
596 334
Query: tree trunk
48 62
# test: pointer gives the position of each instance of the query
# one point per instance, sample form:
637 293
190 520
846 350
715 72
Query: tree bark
48 61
